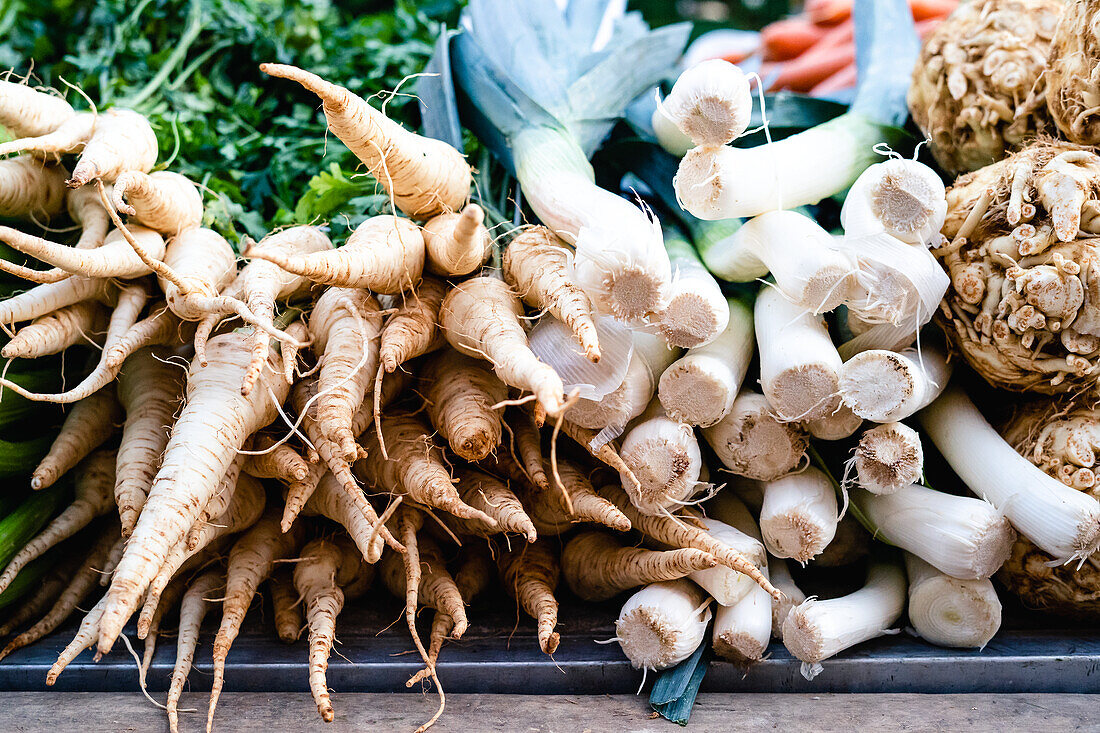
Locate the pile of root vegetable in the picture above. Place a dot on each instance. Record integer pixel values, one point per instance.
(570, 385)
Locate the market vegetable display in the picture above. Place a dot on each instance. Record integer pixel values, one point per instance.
(507, 361)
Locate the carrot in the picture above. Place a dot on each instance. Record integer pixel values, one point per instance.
(285, 605)
(817, 64)
(164, 201)
(280, 461)
(122, 141)
(435, 588)
(260, 284)
(93, 498)
(326, 567)
(674, 531)
(424, 177)
(330, 500)
(57, 331)
(193, 609)
(384, 254)
(345, 325)
(551, 515)
(415, 468)
(114, 258)
(597, 567)
(250, 563)
(30, 190)
(67, 138)
(786, 38)
(213, 425)
(828, 12)
(85, 638)
(91, 421)
(536, 265)
(845, 78)
(457, 244)
(460, 393)
(243, 509)
(26, 112)
(480, 318)
(530, 575)
(80, 584)
(150, 389)
(492, 496)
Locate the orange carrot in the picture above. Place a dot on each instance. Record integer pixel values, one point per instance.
(784, 39)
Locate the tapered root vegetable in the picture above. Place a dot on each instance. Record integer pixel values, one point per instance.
(276, 460)
(480, 318)
(250, 563)
(460, 393)
(551, 515)
(114, 258)
(30, 190)
(164, 201)
(949, 612)
(436, 587)
(742, 631)
(285, 606)
(169, 600)
(332, 501)
(664, 456)
(889, 457)
(457, 244)
(816, 630)
(606, 453)
(325, 569)
(243, 508)
(723, 584)
(799, 516)
(86, 208)
(48, 298)
(69, 137)
(415, 468)
(1070, 75)
(91, 421)
(751, 442)
(384, 254)
(193, 609)
(530, 575)
(699, 388)
(49, 334)
(122, 141)
(528, 447)
(213, 425)
(887, 386)
(424, 177)
(710, 103)
(799, 365)
(78, 586)
(27, 112)
(662, 624)
(536, 265)
(85, 638)
(675, 532)
(597, 567)
(492, 496)
(345, 325)
(93, 498)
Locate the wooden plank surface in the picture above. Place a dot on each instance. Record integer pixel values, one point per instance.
(37, 712)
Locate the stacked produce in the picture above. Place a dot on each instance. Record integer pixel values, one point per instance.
(604, 401)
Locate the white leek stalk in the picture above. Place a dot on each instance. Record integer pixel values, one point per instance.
(798, 362)
(808, 265)
(662, 624)
(836, 426)
(710, 103)
(664, 457)
(779, 573)
(726, 585)
(699, 388)
(816, 630)
(695, 311)
(742, 631)
(799, 515)
(946, 611)
(904, 198)
(889, 457)
(962, 536)
(886, 386)
(669, 135)
(1062, 522)
(611, 414)
(750, 441)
